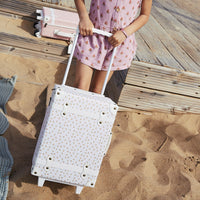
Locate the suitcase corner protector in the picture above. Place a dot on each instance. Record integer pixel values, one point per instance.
(35, 171)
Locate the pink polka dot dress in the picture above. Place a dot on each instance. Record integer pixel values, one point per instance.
(95, 51)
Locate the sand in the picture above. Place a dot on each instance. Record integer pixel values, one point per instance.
(152, 156)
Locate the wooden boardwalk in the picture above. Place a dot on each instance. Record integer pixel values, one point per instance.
(172, 38)
(165, 75)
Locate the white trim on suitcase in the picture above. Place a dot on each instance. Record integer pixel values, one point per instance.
(47, 164)
(52, 16)
(67, 109)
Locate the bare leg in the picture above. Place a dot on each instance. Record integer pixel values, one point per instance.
(83, 76)
(98, 81)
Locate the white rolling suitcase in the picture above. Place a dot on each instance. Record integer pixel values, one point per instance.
(75, 134)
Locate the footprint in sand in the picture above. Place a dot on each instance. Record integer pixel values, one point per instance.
(127, 185)
(162, 164)
(153, 135)
(179, 186)
(183, 138)
(125, 155)
(169, 172)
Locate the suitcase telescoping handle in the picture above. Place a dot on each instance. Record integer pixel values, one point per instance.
(72, 53)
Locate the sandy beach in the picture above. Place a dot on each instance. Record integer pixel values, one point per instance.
(152, 156)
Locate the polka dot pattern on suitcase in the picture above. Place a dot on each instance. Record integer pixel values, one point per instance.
(74, 136)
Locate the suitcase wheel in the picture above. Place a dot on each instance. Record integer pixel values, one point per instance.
(37, 34)
(35, 24)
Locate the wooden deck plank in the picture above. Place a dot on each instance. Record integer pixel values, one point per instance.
(8, 49)
(163, 17)
(151, 100)
(143, 52)
(176, 52)
(26, 7)
(164, 79)
(11, 15)
(188, 19)
(184, 38)
(156, 45)
(36, 44)
(19, 7)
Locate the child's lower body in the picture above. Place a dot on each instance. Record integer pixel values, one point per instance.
(93, 55)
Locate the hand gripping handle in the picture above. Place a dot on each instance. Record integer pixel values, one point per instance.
(72, 53)
(98, 31)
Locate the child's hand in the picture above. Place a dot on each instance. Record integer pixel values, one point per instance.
(85, 27)
(117, 38)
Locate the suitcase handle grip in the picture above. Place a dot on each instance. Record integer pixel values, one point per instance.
(63, 34)
(71, 35)
(72, 53)
(98, 31)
